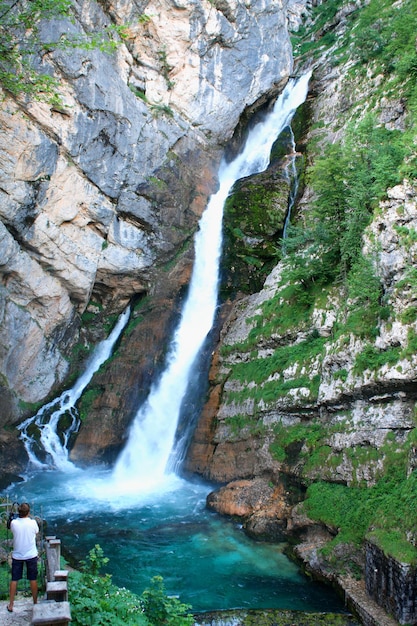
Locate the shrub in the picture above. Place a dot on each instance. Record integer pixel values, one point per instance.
(95, 600)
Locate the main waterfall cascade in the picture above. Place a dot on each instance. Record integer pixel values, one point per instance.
(148, 520)
(146, 455)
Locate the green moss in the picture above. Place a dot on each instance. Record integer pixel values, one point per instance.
(393, 543)
(254, 219)
(341, 374)
(308, 434)
(159, 184)
(321, 458)
(267, 383)
(411, 348)
(30, 408)
(248, 423)
(409, 315)
(389, 507)
(409, 282)
(372, 358)
(87, 400)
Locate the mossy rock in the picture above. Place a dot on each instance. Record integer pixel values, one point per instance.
(254, 221)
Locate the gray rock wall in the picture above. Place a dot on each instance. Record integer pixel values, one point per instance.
(391, 584)
(100, 192)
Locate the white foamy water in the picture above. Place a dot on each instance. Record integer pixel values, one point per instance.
(143, 464)
(47, 418)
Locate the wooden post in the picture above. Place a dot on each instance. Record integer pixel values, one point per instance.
(53, 557)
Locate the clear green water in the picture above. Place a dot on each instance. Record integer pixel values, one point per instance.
(203, 558)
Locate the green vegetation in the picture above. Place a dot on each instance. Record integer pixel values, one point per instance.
(326, 270)
(309, 434)
(307, 443)
(4, 536)
(253, 223)
(95, 600)
(258, 370)
(166, 69)
(87, 400)
(386, 512)
(323, 253)
(21, 41)
(266, 374)
(349, 179)
(371, 358)
(379, 35)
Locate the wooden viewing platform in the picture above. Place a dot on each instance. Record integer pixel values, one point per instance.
(54, 609)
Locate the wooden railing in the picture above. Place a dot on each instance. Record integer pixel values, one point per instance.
(55, 610)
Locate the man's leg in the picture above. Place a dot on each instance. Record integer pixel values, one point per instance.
(32, 574)
(34, 590)
(17, 572)
(13, 589)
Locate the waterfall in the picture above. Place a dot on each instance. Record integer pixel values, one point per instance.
(143, 464)
(46, 421)
(292, 177)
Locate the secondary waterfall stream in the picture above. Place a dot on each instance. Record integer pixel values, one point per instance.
(54, 448)
(147, 519)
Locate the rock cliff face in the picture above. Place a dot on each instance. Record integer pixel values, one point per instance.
(314, 379)
(392, 583)
(311, 383)
(357, 410)
(101, 192)
(379, 398)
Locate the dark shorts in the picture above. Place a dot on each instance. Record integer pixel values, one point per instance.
(31, 569)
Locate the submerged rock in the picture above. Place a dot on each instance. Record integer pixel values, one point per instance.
(273, 618)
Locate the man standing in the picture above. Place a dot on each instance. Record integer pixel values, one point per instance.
(24, 530)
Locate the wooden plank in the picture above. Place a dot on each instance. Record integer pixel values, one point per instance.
(57, 590)
(51, 614)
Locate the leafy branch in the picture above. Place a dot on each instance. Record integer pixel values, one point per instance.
(21, 44)
(95, 600)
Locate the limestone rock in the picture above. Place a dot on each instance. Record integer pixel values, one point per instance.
(240, 498)
(391, 583)
(263, 508)
(33, 306)
(359, 408)
(196, 56)
(102, 191)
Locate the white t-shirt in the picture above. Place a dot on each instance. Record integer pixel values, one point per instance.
(24, 531)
